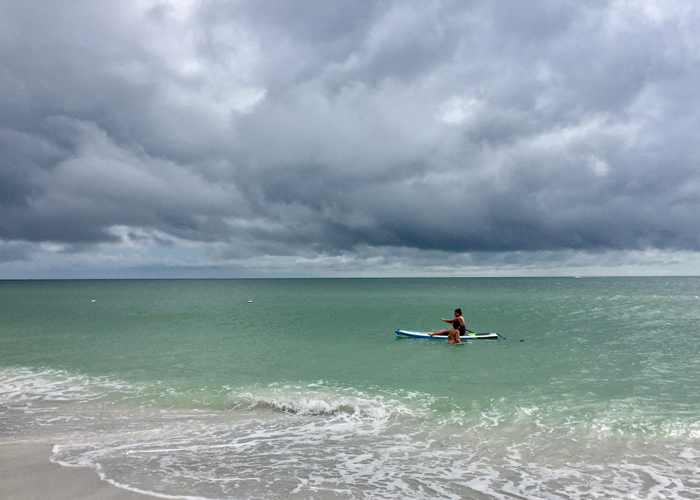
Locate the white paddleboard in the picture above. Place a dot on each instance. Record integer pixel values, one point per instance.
(466, 336)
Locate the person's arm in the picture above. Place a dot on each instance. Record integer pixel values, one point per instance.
(461, 320)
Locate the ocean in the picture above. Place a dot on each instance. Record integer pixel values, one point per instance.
(300, 389)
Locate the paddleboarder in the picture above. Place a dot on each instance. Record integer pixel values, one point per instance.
(458, 328)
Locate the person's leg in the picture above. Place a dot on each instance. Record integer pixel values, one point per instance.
(446, 331)
(453, 337)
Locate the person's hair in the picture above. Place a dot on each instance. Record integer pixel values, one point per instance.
(459, 310)
(455, 325)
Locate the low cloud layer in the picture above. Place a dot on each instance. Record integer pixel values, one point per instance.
(336, 138)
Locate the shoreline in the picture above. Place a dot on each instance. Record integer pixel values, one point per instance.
(27, 473)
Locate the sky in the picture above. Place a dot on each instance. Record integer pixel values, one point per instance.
(357, 138)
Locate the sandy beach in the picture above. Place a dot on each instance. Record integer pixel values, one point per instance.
(26, 473)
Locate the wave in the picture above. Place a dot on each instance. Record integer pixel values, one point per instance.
(35, 390)
(47, 397)
(324, 440)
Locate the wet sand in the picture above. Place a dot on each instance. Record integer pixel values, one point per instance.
(26, 473)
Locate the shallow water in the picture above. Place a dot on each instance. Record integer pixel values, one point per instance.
(184, 389)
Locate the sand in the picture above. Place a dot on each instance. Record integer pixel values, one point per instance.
(26, 473)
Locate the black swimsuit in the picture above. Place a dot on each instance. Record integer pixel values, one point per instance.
(457, 326)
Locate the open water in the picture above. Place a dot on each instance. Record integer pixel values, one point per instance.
(184, 389)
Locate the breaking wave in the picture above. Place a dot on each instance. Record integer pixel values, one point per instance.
(320, 440)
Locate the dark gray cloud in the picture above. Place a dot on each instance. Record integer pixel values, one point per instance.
(244, 131)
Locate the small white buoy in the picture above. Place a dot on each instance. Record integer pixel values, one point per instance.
(93, 300)
(250, 302)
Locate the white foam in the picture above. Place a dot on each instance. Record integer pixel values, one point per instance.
(689, 454)
(26, 385)
(335, 442)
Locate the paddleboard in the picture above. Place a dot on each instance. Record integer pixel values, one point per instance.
(466, 336)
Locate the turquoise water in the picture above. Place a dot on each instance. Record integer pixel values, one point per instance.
(185, 389)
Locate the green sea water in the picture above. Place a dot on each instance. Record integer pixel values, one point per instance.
(299, 388)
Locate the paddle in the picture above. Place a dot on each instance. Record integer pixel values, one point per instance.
(496, 334)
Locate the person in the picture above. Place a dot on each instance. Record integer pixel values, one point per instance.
(458, 329)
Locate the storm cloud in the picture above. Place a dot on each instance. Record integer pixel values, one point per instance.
(392, 136)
